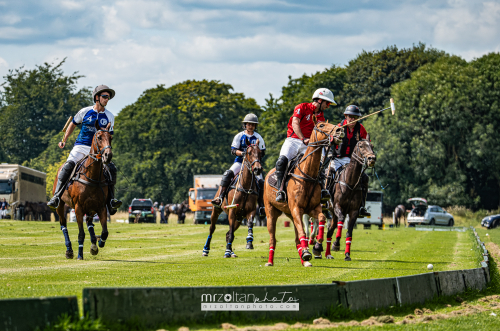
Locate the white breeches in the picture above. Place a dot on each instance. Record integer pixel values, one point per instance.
(292, 147)
(337, 163)
(78, 152)
(236, 168)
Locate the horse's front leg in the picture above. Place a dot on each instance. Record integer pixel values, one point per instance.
(81, 231)
(103, 219)
(249, 238)
(298, 244)
(304, 253)
(317, 213)
(329, 235)
(93, 239)
(230, 234)
(64, 229)
(340, 224)
(353, 216)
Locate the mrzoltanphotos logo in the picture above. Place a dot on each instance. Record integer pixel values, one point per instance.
(282, 301)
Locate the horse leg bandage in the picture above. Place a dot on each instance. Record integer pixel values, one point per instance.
(271, 255)
(66, 238)
(206, 248)
(250, 235)
(348, 245)
(102, 241)
(93, 238)
(303, 242)
(340, 225)
(321, 231)
(299, 249)
(328, 246)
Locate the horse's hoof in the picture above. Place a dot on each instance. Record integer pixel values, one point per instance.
(307, 264)
(249, 246)
(234, 255)
(336, 248)
(268, 264)
(306, 256)
(227, 256)
(329, 257)
(317, 249)
(93, 249)
(347, 257)
(101, 243)
(204, 254)
(69, 254)
(318, 257)
(80, 258)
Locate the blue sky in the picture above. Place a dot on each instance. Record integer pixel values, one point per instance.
(252, 45)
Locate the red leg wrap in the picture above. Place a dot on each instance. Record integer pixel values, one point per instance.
(271, 255)
(303, 242)
(340, 225)
(328, 246)
(299, 249)
(321, 231)
(348, 245)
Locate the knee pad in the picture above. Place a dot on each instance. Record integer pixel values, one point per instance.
(226, 178)
(68, 166)
(281, 163)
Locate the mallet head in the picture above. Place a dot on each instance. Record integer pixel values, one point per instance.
(393, 108)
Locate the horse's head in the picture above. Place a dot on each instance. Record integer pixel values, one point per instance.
(325, 130)
(253, 157)
(101, 144)
(364, 149)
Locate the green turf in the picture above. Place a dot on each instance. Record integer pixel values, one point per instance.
(32, 261)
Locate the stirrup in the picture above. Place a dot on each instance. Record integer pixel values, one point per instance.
(325, 196)
(262, 212)
(280, 196)
(363, 213)
(115, 204)
(54, 203)
(217, 205)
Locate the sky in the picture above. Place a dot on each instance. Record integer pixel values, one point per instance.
(253, 45)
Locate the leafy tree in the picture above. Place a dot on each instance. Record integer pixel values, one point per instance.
(170, 134)
(34, 106)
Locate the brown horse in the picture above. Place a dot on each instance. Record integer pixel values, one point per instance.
(399, 212)
(347, 195)
(303, 191)
(88, 193)
(179, 209)
(246, 199)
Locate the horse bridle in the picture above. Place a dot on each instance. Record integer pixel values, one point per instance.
(98, 155)
(361, 160)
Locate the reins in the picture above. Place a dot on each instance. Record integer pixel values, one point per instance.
(359, 159)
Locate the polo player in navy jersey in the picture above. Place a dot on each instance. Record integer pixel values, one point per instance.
(87, 117)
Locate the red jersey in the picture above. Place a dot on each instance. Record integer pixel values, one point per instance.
(349, 134)
(304, 112)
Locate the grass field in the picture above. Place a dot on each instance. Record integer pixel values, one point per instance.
(32, 261)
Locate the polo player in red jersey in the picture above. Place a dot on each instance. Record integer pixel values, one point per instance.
(300, 127)
(342, 153)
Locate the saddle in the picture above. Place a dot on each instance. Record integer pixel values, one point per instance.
(292, 164)
(78, 176)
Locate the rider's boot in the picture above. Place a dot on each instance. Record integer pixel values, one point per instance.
(224, 184)
(281, 165)
(63, 177)
(113, 204)
(362, 210)
(262, 211)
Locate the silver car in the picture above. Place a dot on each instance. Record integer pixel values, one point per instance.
(428, 214)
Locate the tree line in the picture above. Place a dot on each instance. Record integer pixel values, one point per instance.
(441, 144)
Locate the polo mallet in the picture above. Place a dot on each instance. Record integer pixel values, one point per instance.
(67, 124)
(392, 107)
(233, 205)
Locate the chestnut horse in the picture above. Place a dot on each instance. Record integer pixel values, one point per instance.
(399, 212)
(303, 191)
(88, 193)
(246, 198)
(347, 195)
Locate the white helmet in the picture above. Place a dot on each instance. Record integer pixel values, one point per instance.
(325, 94)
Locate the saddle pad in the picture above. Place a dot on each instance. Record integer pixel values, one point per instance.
(273, 180)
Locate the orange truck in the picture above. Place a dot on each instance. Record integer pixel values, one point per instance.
(200, 197)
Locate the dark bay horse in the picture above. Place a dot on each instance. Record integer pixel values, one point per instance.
(399, 212)
(246, 198)
(303, 191)
(179, 209)
(88, 193)
(347, 195)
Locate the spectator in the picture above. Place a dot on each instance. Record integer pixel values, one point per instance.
(3, 208)
(162, 213)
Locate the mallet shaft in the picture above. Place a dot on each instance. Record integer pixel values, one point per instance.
(67, 124)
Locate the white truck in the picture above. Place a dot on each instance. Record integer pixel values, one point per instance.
(19, 185)
(374, 203)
